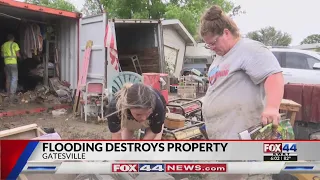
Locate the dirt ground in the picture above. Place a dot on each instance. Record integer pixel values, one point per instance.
(66, 125)
(70, 127)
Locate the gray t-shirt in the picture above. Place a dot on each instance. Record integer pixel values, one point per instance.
(235, 98)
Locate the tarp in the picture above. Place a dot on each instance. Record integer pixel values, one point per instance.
(308, 95)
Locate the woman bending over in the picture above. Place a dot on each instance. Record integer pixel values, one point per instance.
(136, 106)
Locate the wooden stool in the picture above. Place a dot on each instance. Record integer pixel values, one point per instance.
(290, 107)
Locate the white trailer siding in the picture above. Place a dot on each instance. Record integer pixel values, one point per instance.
(176, 38)
(174, 48)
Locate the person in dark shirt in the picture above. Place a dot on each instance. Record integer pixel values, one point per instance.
(136, 106)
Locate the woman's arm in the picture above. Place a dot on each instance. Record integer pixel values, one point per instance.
(264, 68)
(154, 132)
(153, 136)
(114, 123)
(274, 87)
(116, 136)
(156, 122)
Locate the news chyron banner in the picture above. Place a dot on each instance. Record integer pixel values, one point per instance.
(20, 155)
(172, 167)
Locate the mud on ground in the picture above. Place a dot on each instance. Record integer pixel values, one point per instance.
(67, 126)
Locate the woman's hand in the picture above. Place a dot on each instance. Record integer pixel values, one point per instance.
(149, 135)
(270, 115)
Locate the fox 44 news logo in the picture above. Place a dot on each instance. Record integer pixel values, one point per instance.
(131, 168)
(280, 151)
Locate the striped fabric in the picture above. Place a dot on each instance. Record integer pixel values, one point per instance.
(110, 43)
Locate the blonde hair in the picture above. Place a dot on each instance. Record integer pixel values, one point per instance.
(134, 96)
(214, 21)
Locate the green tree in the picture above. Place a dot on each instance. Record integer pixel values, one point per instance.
(187, 11)
(92, 7)
(129, 9)
(190, 12)
(312, 39)
(270, 37)
(56, 4)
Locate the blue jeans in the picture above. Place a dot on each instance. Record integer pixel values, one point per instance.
(11, 71)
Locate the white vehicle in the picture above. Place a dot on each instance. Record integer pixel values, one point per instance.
(299, 66)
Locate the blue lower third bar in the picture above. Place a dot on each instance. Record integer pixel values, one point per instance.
(42, 168)
(299, 168)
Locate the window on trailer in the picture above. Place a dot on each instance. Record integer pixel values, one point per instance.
(31, 69)
(139, 39)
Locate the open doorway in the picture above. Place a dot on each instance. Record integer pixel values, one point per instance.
(138, 47)
(33, 53)
(39, 37)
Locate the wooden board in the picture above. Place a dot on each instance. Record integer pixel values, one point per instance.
(83, 76)
(24, 132)
(31, 131)
(289, 105)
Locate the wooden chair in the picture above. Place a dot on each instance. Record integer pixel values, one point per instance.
(290, 108)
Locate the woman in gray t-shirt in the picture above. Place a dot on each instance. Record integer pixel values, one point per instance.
(245, 80)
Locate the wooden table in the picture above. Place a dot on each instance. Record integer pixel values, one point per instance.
(290, 107)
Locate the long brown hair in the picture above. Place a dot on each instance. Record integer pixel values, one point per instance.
(134, 96)
(214, 21)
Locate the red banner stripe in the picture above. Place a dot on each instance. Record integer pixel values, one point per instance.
(106, 36)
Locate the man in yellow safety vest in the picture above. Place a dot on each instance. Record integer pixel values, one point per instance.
(10, 53)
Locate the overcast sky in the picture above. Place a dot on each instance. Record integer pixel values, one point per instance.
(299, 18)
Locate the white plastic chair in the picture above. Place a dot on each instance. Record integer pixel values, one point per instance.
(121, 79)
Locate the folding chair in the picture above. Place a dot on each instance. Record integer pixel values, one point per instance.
(93, 99)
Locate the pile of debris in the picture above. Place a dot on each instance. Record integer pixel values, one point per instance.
(58, 92)
(39, 70)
